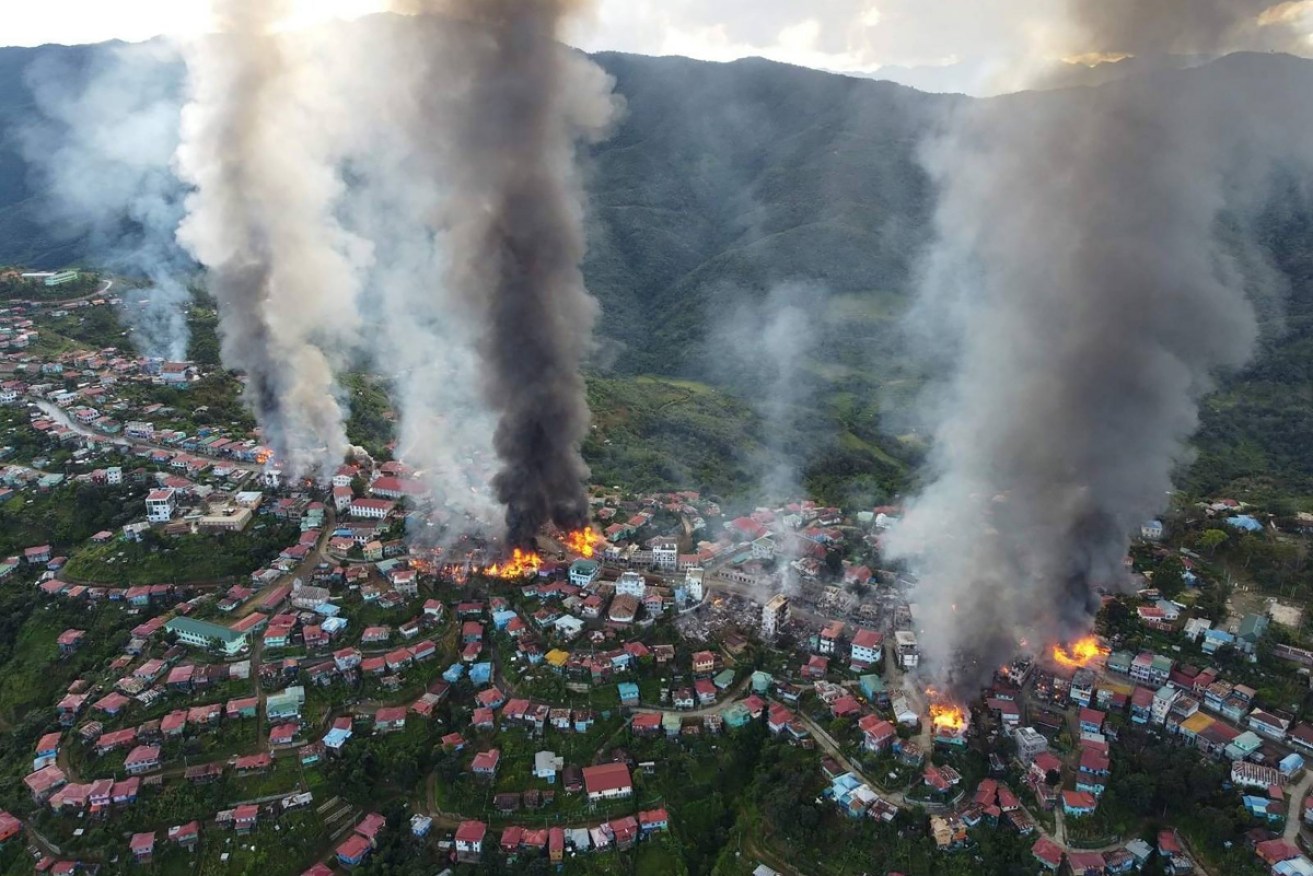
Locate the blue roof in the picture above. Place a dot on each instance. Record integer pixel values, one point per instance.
(480, 673)
(628, 690)
(1245, 522)
(335, 737)
(453, 673)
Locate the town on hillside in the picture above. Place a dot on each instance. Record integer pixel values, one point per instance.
(218, 669)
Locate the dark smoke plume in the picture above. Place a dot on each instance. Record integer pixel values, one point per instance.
(515, 240)
(1092, 299)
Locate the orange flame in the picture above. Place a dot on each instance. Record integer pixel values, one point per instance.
(1081, 652)
(520, 564)
(582, 541)
(948, 718)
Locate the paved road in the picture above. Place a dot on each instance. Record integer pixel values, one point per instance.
(61, 416)
(1295, 808)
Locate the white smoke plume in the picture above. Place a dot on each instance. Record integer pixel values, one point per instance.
(763, 345)
(262, 221)
(1079, 281)
(99, 147)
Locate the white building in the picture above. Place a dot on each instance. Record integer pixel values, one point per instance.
(1195, 627)
(584, 572)
(774, 615)
(631, 584)
(160, 505)
(114, 475)
(1152, 530)
(763, 548)
(1163, 701)
(665, 554)
(272, 478)
(1030, 743)
(909, 655)
(372, 508)
(546, 764)
(693, 584)
(867, 647)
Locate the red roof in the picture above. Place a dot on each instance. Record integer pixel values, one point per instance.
(1079, 800)
(471, 832)
(354, 847)
(606, 777)
(1085, 862)
(143, 842)
(1047, 851)
(486, 760)
(865, 638)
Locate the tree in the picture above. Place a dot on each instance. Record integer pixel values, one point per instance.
(1211, 539)
(1169, 577)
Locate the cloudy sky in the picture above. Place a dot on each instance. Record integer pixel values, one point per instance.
(978, 46)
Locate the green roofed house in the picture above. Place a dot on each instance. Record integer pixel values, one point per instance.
(736, 715)
(584, 572)
(761, 682)
(873, 688)
(285, 704)
(1251, 630)
(724, 679)
(1120, 661)
(203, 634)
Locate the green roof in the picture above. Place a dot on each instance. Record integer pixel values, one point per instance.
(872, 682)
(204, 630)
(587, 566)
(724, 678)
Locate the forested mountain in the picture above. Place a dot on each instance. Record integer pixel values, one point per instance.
(736, 200)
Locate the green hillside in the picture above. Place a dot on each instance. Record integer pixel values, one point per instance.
(726, 182)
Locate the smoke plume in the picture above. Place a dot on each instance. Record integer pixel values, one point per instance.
(99, 146)
(513, 234)
(762, 346)
(1090, 301)
(261, 220)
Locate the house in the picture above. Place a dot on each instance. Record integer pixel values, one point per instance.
(469, 841)
(485, 763)
(246, 817)
(546, 764)
(70, 640)
(652, 820)
(143, 846)
(160, 505)
(607, 781)
(283, 734)
(1048, 853)
(185, 835)
(142, 759)
(1078, 803)
(877, 733)
(704, 663)
(867, 648)
(1269, 725)
(353, 851)
(389, 719)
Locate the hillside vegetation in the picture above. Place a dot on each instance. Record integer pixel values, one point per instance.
(727, 183)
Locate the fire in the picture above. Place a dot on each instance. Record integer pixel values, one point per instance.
(948, 718)
(1081, 652)
(520, 564)
(582, 541)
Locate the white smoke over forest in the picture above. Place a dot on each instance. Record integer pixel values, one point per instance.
(100, 141)
(1081, 282)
